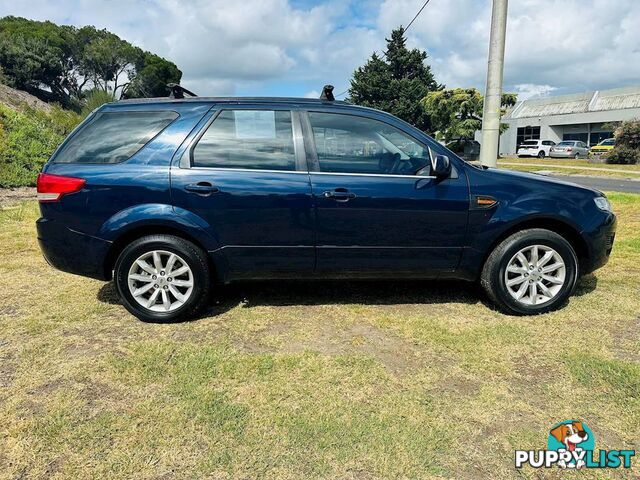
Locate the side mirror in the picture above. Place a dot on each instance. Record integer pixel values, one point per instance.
(441, 166)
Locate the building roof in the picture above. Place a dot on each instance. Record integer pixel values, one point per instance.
(601, 100)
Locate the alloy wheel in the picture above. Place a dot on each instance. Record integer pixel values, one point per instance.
(535, 275)
(160, 281)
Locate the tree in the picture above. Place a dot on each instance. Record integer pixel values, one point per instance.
(627, 148)
(396, 83)
(64, 63)
(457, 112)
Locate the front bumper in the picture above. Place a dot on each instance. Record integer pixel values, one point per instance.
(600, 244)
(71, 251)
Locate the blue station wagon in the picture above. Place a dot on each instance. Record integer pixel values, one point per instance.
(170, 197)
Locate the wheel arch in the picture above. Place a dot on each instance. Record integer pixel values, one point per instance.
(561, 227)
(120, 243)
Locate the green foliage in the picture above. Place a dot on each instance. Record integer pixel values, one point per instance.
(94, 99)
(627, 148)
(623, 155)
(457, 112)
(62, 63)
(397, 84)
(27, 140)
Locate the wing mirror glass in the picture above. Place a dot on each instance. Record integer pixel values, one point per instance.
(441, 166)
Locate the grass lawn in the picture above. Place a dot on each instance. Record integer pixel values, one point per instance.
(559, 165)
(309, 380)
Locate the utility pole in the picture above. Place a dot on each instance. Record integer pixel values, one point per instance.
(493, 94)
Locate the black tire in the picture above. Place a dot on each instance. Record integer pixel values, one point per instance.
(541, 154)
(492, 278)
(577, 156)
(195, 258)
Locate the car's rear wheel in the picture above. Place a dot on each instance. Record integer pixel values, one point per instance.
(541, 154)
(576, 156)
(532, 271)
(162, 278)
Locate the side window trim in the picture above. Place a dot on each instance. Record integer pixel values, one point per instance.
(313, 162)
(187, 160)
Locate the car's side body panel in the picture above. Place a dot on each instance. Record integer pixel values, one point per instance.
(270, 224)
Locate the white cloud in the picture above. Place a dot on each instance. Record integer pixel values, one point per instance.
(251, 46)
(531, 90)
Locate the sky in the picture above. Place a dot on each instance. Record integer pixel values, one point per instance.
(294, 47)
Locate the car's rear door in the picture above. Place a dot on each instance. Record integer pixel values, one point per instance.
(374, 213)
(245, 176)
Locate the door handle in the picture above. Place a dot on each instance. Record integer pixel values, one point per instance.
(339, 194)
(202, 188)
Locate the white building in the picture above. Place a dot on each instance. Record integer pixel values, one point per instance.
(580, 116)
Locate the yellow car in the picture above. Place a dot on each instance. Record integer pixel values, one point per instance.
(603, 147)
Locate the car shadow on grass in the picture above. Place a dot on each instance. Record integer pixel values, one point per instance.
(342, 292)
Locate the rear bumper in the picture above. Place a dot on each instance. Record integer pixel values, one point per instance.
(71, 251)
(562, 154)
(600, 244)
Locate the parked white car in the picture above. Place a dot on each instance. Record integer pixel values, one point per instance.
(535, 148)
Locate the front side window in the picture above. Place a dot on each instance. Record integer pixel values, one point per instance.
(351, 144)
(247, 139)
(112, 137)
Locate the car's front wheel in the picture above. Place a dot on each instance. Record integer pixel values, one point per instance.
(162, 278)
(532, 271)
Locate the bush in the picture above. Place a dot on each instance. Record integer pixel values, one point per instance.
(96, 98)
(627, 149)
(27, 139)
(623, 155)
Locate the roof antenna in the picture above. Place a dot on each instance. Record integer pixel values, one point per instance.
(178, 92)
(327, 93)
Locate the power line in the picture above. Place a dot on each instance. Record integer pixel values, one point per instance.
(417, 14)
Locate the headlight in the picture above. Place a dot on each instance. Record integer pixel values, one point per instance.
(603, 203)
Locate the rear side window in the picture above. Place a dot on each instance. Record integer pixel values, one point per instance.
(113, 137)
(247, 139)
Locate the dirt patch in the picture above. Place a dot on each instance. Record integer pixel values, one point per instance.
(396, 354)
(11, 196)
(625, 342)
(458, 386)
(18, 99)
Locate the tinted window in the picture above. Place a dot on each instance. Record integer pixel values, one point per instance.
(252, 139)
(530, 142)
(566, 144)
(351, 144)
(608, 142)
(114, 137)
(527, 133)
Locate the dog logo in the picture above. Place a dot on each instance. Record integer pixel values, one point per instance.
(571, 436)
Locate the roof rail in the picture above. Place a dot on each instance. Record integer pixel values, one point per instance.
(327, 93)
(178, 92)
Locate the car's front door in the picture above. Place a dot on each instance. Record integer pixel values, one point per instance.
(246, 177)
(378, 209)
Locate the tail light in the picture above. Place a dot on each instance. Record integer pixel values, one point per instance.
(569, 149)
(51, 188)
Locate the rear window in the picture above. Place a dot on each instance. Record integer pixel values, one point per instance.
(113, 137)
(530, 142)
(566, 144)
